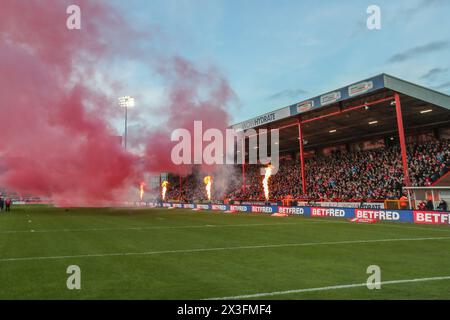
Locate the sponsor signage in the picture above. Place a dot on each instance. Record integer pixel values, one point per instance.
(291, 210)
(219, 207)
(305, 106)
(327, 212)
(344, 93)
(360, 88)
(367, 205)
(239, 208)
(302, 203)
(377, 214)
(360, 214)
(363, 220)
(330, 98)
(260, 209)
(255, 203)
(264, 119)
(189, 206)
(431, 217)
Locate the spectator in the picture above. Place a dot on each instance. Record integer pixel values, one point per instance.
(7, 205)
(422, 205)
(429, 205)
(442, 205)
(341, 176)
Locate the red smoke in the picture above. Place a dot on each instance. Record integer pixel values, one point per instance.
(194, 95)
(55, 137)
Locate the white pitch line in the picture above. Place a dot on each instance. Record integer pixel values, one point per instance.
(344, 286)
(315, 221)
(218, 249)
(166, 227)
(151, 228)
(404, 226)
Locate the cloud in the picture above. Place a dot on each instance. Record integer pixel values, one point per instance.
(432, 73)
(445, 85)
(419, 50)
(423, 5)
(360, 27)
(290, 93)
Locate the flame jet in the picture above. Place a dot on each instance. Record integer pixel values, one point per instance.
(164, 189)
(141, 190)
(266, 182)
(208, 182)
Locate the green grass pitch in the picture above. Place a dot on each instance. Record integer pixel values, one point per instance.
(184, 254)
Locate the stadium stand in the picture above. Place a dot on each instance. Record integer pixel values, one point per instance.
(18, 198)
(354, 176)
(340, 176)
(362, 142)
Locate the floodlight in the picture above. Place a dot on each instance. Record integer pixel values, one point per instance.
(126, 102)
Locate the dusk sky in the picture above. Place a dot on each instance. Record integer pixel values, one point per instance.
(275, 53)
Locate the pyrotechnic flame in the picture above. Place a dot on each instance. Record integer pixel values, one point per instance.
(164, 189)
(208, 181)
(141, 190)
(266, 182)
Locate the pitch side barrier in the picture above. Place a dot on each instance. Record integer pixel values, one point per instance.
(410, 216)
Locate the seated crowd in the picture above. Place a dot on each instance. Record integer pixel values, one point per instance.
(341, 176)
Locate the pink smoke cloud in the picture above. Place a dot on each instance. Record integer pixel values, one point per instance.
(194, 95)
(51, 143)
(55, 134)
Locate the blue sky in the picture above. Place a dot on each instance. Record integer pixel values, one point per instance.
(275, 53)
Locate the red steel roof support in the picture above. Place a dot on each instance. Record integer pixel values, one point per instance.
(401, 134)
(302, 158)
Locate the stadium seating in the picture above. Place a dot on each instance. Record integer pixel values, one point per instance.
(16, 197)
(342, 176)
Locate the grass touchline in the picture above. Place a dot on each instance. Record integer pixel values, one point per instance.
(220, 249)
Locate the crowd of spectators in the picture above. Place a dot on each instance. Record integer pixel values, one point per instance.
(16, 197)
(341, 176)
(366, 175)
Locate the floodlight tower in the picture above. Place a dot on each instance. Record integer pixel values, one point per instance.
(126, 102)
